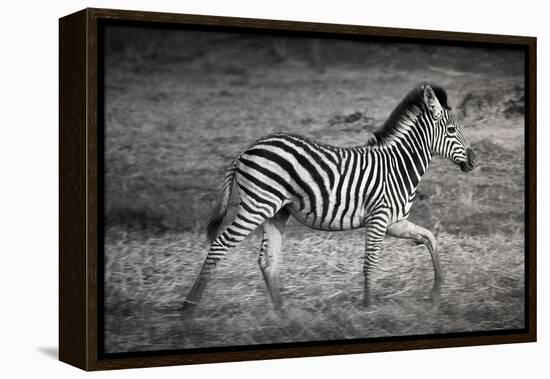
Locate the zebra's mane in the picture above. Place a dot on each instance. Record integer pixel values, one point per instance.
(413, 99)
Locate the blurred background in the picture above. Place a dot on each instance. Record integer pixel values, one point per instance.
(180, 104)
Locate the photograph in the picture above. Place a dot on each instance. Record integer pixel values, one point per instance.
(267, 188)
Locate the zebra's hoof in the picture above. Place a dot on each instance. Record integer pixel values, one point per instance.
(435, 297)
(280, 312)
(188, 305)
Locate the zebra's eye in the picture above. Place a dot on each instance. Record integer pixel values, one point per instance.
(451, 129)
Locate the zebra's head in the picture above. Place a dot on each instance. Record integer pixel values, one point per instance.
(448, 138)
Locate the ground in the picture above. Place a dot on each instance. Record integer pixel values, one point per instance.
(180, 106)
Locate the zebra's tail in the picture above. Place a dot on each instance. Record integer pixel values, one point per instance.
(220, 210)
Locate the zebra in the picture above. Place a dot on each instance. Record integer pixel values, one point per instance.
(331, 188)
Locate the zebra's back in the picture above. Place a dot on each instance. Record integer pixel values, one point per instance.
(323, 186)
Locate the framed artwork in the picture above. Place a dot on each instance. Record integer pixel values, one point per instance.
(238, 189)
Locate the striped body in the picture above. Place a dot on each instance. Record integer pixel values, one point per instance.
(331, 188)
(327, 187)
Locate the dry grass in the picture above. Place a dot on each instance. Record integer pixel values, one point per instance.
(176, 116)
(322, 288)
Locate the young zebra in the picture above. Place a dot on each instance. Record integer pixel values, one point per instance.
(332, 188)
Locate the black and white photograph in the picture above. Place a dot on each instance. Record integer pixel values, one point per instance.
(268, 188)
(276, 189)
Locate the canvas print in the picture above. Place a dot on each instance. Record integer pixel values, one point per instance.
(268, 188)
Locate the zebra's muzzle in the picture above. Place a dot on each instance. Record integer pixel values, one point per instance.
(469, 164)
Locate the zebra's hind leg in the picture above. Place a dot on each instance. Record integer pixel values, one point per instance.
(406, 229)
(270, 254)
(231, 237)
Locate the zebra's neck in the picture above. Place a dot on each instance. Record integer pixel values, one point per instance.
(408, 149)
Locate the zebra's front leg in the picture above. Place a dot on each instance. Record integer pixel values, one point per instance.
(375, 228)
(406, 229)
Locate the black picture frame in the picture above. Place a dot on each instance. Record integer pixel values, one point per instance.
(81, 189)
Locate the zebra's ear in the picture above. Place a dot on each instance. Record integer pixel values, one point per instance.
(432, 102)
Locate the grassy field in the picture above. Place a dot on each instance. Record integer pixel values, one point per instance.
(178, 107)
